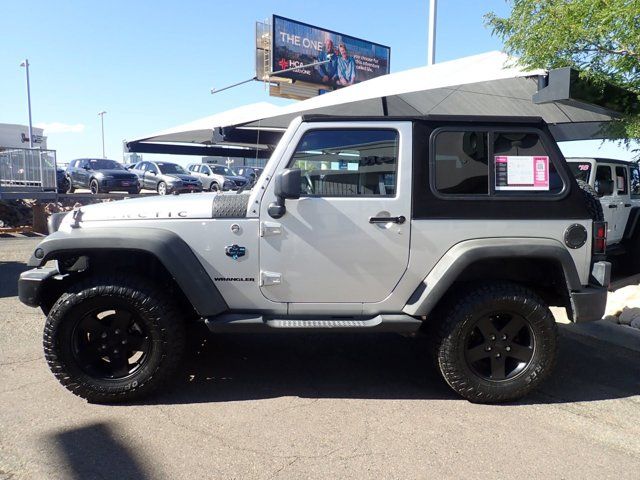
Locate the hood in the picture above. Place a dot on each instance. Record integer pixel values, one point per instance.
(115, 173)
(181, 176)
(236, 178)
(196, 205)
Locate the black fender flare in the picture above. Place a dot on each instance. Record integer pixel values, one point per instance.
(167, 246)
(433, 288)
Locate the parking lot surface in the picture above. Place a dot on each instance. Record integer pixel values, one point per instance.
(312, 406)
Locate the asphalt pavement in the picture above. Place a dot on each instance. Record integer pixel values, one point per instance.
(312, 406)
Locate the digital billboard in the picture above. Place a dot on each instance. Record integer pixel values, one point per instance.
(352, 60)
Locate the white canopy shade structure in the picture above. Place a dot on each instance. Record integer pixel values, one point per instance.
(486, 84)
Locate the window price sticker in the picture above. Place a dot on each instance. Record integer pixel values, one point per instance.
(522, 173)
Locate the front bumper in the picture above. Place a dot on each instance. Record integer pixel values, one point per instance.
(30, 285)
(118, 184)
(184, 188)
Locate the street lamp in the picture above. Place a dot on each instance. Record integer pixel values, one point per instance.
(101, 115)
(431, 48)
(25, 64)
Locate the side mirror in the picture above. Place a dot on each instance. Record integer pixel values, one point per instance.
(287, 185)
(86, 167)
(604, 187)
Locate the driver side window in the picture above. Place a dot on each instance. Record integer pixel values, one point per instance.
(348, 163)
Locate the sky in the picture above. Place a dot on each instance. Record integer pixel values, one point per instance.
(151, 64)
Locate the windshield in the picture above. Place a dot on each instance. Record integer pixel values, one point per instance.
(220, 170)
(580, 170)
(100, 164)
(169, 168)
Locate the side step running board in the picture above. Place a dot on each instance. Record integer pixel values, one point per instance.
(237, 322)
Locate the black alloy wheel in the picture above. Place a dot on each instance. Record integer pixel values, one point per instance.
(94, 186)
(111, 344)
(494, 342)
(500, 346)
(114, 338)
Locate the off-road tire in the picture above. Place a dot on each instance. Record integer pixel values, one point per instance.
(70, 187)
(159, 314)
(455, 319)
(591, 200)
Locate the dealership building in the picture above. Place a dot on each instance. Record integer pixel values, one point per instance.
(17, 136)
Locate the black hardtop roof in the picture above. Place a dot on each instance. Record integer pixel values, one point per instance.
(601, 160)
(427, 118)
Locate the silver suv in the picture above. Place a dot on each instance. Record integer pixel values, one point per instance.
(217, 177)
(464, 229)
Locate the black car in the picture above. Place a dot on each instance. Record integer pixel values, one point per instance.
(165, 177)
(62, 184)
(250, 173)
(100, 176)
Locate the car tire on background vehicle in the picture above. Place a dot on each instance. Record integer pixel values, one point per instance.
(494, 343)
(94, 186)
(162, 188)
(134, 191)
(114, 339)
(214, 187)
(70, 187)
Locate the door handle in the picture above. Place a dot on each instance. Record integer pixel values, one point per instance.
(613, 206)
(401, 219)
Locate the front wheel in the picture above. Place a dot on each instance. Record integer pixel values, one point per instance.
(70, 187)
(162, 188)
(94, 186)
(495, 343)
(113, 339)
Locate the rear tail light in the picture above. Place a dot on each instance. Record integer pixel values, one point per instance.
(599, 237)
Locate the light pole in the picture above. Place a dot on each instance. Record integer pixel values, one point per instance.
(25, 64)
(431, 49)
(101, 115)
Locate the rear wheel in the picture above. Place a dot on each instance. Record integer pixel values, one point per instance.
(214, 187)
(111, 340)
(495, 343)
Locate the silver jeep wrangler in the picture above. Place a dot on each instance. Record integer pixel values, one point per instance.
(462, 228)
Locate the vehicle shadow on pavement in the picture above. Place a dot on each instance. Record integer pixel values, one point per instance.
(377, 366)
(9, 273)
(95, 451)
(248, 367)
